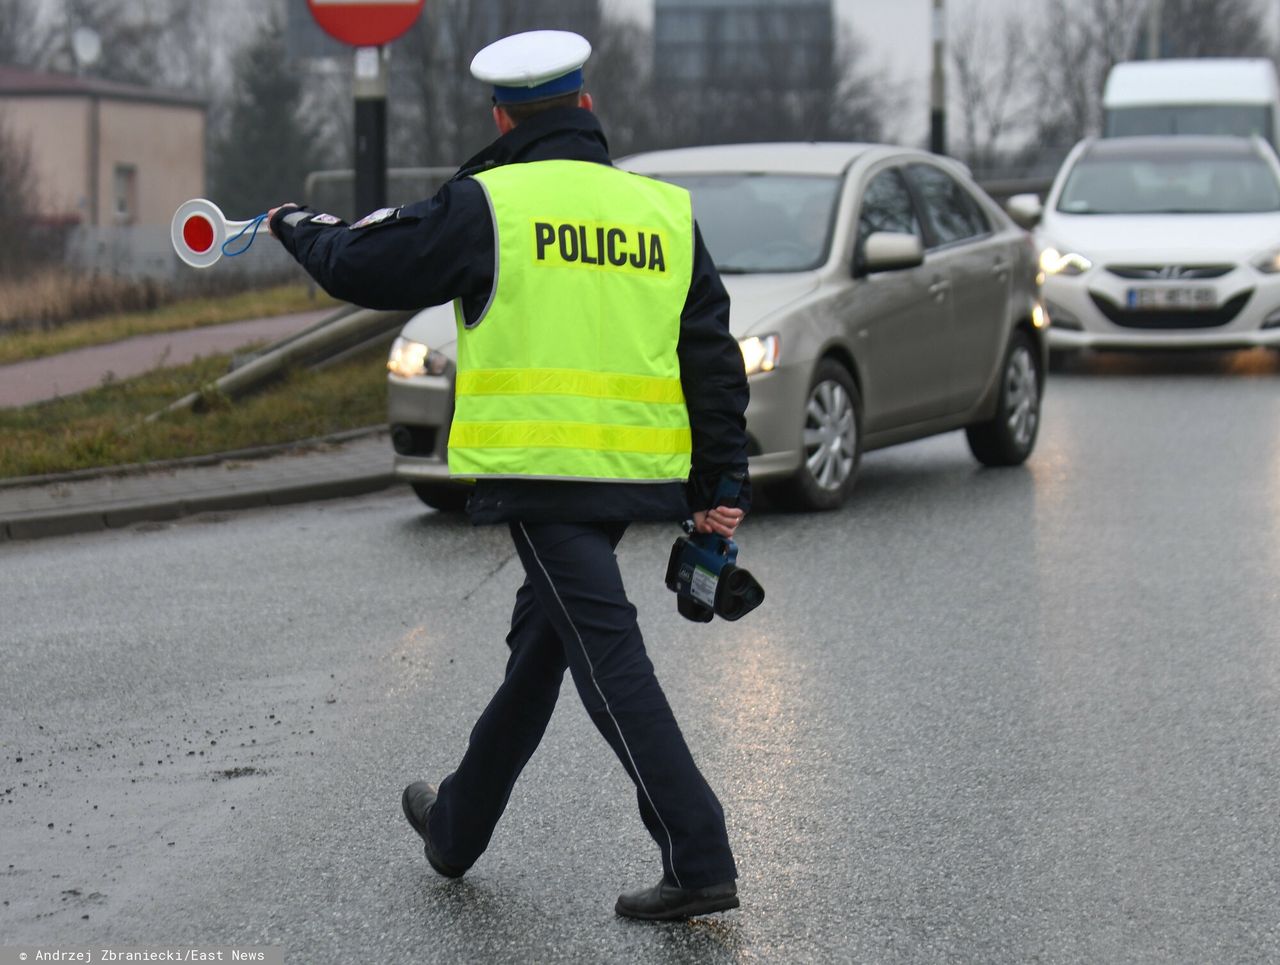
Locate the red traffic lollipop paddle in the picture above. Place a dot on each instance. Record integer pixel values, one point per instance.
(199, 230)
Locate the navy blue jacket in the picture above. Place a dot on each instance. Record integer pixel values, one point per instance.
(436, 250)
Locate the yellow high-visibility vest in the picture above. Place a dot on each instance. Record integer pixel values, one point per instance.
(571, 371)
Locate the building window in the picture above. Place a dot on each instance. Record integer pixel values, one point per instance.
(126, 194)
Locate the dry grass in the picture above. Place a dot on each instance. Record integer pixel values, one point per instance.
(105, 427)
(129, 314)
(51, 296)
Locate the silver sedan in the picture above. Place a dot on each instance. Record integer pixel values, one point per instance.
(878, 296)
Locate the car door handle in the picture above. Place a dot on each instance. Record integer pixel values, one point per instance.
(1000, 268)
(939, 289)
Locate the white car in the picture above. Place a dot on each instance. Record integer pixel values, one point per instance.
(1161, 242)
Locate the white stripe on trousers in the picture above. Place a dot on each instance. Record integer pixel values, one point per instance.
(671, 850)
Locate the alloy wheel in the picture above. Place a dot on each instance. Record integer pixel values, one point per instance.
(830, 435)
(1021, 396)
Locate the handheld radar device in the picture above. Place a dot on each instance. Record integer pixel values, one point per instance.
(703, 570)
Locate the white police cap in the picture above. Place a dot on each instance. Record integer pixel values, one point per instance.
(532, 66)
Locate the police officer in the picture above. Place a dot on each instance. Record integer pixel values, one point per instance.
(597, 384)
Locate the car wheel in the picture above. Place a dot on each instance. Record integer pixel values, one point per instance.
(832, 441)
(1008, 439)
(446, 497)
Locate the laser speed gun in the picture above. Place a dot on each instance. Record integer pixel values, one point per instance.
(703, 570)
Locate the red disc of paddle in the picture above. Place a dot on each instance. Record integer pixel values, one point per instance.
(197, 232)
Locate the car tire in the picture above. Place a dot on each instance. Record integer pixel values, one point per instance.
(832, 442)
(1008, 438)
(446, 497)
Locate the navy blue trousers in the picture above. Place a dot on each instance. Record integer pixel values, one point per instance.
(572, 612)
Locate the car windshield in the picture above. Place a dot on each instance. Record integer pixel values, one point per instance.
(755, 223)
(1170, 183)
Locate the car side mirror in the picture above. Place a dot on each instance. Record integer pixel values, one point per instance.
(890, 251)
(1025, 210)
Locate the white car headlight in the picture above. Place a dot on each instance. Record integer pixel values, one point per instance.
(409, 359)
(1268, 262)
(1055, 262)
(760, 352)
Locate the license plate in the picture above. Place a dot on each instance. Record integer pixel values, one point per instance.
(1172, 298)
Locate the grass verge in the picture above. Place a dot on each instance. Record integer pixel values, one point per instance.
(34, 343)
(104, 426)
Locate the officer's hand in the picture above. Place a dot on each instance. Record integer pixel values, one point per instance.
(722, 520)
(272, 213)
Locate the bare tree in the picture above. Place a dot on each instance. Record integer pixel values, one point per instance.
(864, 97)
(1078, 44)
(269, 144)
(620, 79)
(990, 59)
(18, 201)
(22, 40)
(445, 118)
(1225, 28)
(154, 43)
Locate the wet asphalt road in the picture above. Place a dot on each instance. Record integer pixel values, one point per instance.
(984, 716)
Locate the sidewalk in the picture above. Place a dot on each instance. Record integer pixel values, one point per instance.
(23, 383)
(346, 465)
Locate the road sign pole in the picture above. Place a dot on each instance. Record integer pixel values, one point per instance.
(938, 83)
(371, 129)
(368, 25)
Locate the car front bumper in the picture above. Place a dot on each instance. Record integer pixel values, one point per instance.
(420, 410)
(1090, 311)
(775, 420)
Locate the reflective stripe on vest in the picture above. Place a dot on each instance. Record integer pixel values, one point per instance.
(572, 372)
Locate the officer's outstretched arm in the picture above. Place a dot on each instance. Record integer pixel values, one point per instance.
(408, 257)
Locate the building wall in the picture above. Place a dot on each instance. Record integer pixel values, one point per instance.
(164, 145)
(57, 130)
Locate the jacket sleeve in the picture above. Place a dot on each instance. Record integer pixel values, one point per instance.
(398, 258)
(714, 382)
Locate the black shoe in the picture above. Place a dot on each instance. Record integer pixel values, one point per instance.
(666, 902)
(417, 801)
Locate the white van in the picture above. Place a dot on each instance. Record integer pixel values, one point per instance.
(1205, 96)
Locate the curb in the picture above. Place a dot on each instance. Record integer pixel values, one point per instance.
(116, 509)
(66, 522)
(187, 462)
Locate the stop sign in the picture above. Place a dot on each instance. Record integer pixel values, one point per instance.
(365, 23)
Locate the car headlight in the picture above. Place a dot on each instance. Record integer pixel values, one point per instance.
(1268, 262)
(760, 352)
(1055, 262)
(409, 359)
